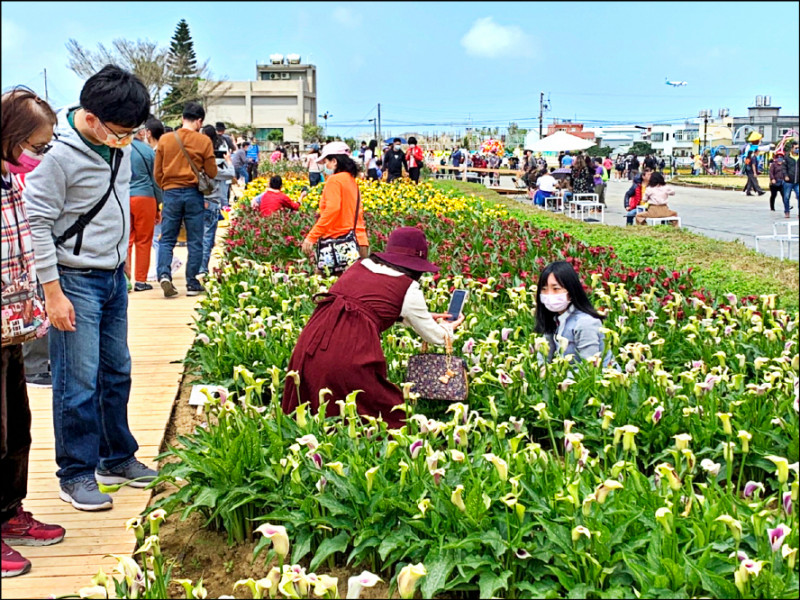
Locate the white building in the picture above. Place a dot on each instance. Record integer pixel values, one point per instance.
(284, 90)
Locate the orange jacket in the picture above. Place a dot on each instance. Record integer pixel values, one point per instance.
(336, 209)
(172, 170)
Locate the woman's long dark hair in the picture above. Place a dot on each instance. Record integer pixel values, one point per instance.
(345, 163)
(373, 144)
(656, 179)
(568, 279)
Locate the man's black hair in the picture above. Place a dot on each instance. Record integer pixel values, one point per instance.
(220, 126)
(244, 144)
(568, 279)
(116, 96)
(395, 140)
(192, 111)
(155, 127)
(275, 182)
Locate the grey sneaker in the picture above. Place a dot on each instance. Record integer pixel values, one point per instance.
(169, 288)
(84, 495)
(134, 474)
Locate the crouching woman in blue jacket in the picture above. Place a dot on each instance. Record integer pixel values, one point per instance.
(563, 310)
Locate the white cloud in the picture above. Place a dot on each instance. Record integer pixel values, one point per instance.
(13, 35)
(490, 40)
(346, 17)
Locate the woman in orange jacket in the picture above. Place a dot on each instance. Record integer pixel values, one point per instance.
(338, 203)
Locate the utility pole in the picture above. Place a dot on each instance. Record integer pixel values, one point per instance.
(541, 112)
(375, 127)
(46, 97)
(380, 131)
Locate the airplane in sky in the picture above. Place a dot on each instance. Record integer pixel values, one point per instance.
(675, 83)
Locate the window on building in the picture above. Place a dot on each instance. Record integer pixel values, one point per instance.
(230, 101)
(667, 136)
(274, 100)
(657, 137)
(262, 133)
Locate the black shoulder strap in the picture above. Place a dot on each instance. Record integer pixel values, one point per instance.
(78, 226)
(358, 204)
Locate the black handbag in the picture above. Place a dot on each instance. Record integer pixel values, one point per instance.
(334, 255)
(437, 376)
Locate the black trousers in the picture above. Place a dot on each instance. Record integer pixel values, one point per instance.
(15, 432)
(773, 191)
(413, 173)
(372, 174)
(752, 185)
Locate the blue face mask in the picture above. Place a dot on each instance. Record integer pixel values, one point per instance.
(328, 171)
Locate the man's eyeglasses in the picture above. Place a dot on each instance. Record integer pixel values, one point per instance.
(121, 136)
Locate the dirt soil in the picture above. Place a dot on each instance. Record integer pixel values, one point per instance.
(201, 553)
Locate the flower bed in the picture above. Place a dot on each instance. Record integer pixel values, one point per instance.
(674, 475)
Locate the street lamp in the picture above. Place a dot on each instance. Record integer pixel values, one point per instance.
(375, 126)
(326, 116)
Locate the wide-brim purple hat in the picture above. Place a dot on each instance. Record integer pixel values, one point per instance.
(407, 247)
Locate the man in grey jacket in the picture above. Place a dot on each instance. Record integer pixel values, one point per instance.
(78, 204)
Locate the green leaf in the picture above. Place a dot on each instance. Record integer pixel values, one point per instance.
(334, 506)
(207, 497)
(438, 571)
(390, 542)
(489, 583)
(328, 547)
(302, 546)
(540, 589)
(495, 541)
(580, 591)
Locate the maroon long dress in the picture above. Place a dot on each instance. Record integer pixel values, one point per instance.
(340, 347)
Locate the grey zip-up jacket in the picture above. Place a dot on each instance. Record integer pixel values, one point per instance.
(70, 180)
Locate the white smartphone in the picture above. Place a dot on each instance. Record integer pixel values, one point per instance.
(457, 301)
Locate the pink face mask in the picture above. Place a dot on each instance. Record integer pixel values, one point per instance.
(28, 161)
(556, 302)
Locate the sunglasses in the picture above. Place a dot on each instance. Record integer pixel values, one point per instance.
(41, 149)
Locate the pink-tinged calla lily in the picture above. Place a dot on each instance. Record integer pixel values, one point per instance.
(437, 475)
(355, 584)
(504, 378)
(566, 384)
(710, 467)
(522, 554)
(777, 535)
(658, 413)
(321, 483)
(787, 503)
(415, 448)
(516, 423)
(408, 577)
(740, 555)
(278, 537)
(751, 487)
(469, 345)
(310, 441)
(505, 332)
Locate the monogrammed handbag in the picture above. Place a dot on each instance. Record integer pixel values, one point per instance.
(438, 376)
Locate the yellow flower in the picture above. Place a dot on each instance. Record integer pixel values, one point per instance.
(734, 525)
(726, 422)
(579, 531)
(745, 438)
(682, 440)
(456, 499)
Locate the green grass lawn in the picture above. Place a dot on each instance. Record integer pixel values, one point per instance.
(720, 266)
(720, 181)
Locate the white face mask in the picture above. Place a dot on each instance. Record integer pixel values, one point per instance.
(397, 146)
(556, 302)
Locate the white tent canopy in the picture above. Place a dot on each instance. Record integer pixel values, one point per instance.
(560, 140)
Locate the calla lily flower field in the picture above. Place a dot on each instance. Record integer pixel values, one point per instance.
(671, 473)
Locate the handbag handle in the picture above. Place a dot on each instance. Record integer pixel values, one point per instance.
(448, 346)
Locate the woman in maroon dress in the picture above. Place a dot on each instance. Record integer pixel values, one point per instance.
(340, 347)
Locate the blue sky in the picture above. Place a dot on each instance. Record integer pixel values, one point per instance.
(435, 64)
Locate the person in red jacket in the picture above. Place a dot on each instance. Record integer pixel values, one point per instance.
(274, 199)
(415, 158)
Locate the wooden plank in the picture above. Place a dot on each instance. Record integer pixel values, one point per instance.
(159, 334)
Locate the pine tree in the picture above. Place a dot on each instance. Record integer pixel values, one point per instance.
(182, 62)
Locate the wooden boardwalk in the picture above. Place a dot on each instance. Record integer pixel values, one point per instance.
(159, 336)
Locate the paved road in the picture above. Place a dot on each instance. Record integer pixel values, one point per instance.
(723, 215)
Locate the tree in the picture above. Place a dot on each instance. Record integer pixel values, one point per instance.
(352, 143)
(597, 151)
(313, 133)
(275, 135)
(182, 64)
(145, 59)
(641, 148)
